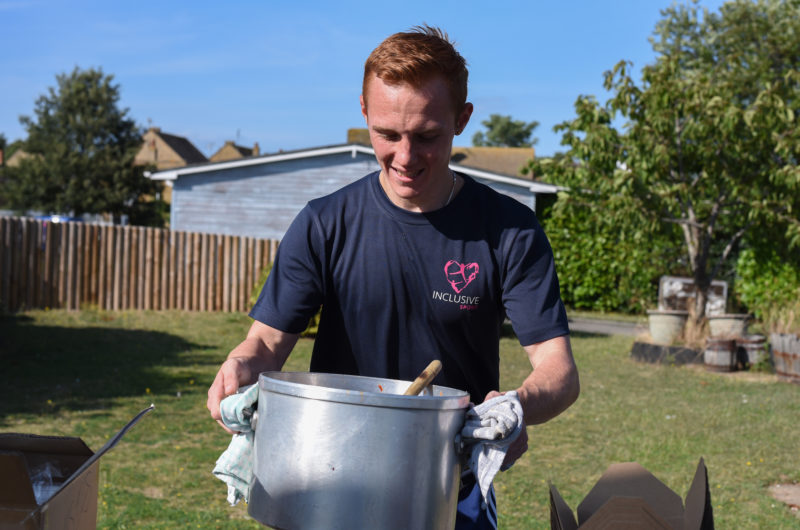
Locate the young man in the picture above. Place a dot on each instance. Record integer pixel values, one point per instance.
(415, 262)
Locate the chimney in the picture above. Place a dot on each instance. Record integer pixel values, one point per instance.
(256, 150)
(358, 136)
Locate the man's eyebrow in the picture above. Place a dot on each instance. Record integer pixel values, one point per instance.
(384, 130)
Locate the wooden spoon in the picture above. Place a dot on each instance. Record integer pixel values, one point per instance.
(424, 379)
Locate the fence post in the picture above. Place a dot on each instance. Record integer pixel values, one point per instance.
(93, 272)
(196, 274)
(6, 260)
(80, 258)
(203, 272)
(28, 263)
(163, 240)
(173, 258)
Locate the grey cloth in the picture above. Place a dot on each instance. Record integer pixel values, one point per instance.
(488, 431)
(235, 465)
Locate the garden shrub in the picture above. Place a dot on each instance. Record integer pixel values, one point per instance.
(605, 264)
(768, 283)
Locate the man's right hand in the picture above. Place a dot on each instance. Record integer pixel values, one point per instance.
(265, 349)
(233, 373)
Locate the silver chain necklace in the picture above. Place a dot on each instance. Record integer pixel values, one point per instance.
(452, 189)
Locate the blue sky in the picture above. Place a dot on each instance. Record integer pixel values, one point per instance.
(288, 74)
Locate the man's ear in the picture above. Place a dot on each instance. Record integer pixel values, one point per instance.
(463, 117)
(363, 106)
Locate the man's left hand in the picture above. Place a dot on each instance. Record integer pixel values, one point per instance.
(518, 446)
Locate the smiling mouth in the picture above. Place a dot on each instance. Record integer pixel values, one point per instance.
(407, 174)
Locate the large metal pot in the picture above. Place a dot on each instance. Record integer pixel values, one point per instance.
(338, 451)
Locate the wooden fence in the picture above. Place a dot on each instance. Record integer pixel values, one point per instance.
(74, 265)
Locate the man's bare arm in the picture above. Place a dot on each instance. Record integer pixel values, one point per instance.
(265, 349)
(553, 385)
(550, 388)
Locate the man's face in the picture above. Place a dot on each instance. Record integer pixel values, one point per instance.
(412, 131)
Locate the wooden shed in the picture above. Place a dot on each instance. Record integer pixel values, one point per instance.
(259, 196)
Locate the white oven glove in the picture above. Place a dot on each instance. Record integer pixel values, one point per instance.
(488, 431)
(235, 465)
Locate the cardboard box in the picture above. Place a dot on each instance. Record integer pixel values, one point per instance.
(68, 499)
(629, 496)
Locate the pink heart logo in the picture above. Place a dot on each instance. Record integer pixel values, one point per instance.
(460, 275)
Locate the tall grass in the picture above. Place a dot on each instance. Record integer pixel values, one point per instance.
(86, 373)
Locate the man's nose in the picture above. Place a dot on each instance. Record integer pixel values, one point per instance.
(406, 153)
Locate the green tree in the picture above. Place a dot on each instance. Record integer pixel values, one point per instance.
(710, 142)
(82, 147)
(502, 131)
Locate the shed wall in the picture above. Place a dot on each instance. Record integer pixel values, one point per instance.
(262, 200)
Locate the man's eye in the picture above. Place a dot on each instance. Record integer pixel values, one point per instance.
(429, 138)
(390, 137)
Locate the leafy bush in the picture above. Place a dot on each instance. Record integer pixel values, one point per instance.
(768, 283)
(605, 263)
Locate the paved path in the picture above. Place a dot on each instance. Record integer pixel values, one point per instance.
(606, 327)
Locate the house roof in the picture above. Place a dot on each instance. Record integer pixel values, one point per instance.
(353, 149)
(504, 160)
(182, 147)
(17, 157)
(231, 151)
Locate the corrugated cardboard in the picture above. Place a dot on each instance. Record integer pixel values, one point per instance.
(73, 505)
(629, 496)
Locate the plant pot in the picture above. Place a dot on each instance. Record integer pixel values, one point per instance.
(754, 348)
(786, 355)
(666, 325)
(730, 325)
(720, 354)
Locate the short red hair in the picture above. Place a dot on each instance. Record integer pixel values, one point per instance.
(416, 56)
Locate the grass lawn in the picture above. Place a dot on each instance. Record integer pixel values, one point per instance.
(86, 373)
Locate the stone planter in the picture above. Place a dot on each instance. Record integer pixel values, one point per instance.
(666, 325)
(729, 325)
(786, 355)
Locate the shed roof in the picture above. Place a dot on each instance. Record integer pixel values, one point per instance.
(354, 149)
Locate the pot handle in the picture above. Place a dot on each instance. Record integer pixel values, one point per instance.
(460, 445)
(254, 420)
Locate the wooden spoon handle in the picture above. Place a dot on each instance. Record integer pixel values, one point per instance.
(424, 379)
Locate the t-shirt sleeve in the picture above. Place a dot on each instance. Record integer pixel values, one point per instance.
(531, 293)
(294, 289)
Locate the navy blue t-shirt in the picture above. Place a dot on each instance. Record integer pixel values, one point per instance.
(399, 289)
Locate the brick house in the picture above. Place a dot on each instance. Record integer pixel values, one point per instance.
(167, 151)
(231, 151)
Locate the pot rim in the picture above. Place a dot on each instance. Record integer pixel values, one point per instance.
(677, 312)
(302, 385)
